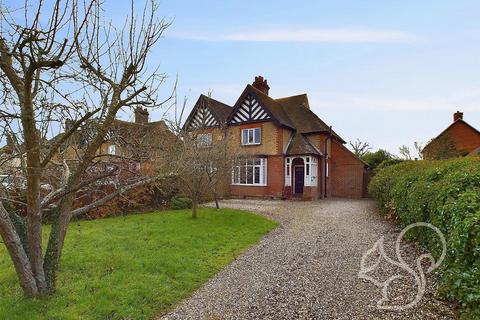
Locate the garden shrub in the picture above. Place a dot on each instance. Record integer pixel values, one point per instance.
(178, 203)
(446, 194)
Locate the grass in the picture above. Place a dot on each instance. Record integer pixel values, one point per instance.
(135, 267)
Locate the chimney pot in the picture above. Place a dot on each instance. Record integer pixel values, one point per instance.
(261, 84)
(457, 116)
(141, 115)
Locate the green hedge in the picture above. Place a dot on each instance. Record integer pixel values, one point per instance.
(179, 203)
(447, 194)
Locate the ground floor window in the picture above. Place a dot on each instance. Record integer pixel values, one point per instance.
(250, 171)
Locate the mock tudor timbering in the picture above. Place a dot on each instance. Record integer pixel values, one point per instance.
(288, 151)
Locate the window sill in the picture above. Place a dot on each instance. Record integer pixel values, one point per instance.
(250, 144)
(248, 185)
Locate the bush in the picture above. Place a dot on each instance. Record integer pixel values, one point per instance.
(446, 194)
(177, 203)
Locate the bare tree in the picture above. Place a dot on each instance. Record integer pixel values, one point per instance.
(418, 146)
(360, 148)
(203, 161)
(64, 62)
(405, 152)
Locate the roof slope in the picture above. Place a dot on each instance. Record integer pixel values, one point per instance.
(300, 145)
(291, 112)
(272, 107)
(304, 119)
(220, 110)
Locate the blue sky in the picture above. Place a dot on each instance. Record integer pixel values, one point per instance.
(387, 72)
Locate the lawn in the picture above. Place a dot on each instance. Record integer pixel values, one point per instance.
(137, 266)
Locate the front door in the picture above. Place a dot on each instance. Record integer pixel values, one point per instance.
(299, 178)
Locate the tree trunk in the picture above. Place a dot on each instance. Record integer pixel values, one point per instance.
(194, 208)
(18, 255)
(34, 172)
(217, 205)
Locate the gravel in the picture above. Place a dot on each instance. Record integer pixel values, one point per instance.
(308, 268)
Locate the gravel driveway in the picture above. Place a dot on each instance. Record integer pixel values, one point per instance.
(308, 268)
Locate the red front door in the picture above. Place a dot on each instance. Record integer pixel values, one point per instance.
(299, 178)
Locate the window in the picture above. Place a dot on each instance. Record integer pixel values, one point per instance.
(251, 136)
(251, 171)
(111, 149)
(204, 139)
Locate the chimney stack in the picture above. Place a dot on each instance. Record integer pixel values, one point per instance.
(141, 115)
(261, 84)
(457, 116)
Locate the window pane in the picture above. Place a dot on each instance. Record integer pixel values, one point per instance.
(307, 169)
(257, 161)
(243, 176)
(257, 135)
(250, 136)
(250, 175)
(257, 175)
(263, 171)
(244, 136)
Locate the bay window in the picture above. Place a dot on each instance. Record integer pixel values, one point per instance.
(250, 171)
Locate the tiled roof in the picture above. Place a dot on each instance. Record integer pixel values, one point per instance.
(220, 110)
(305, 120)
(300, 145)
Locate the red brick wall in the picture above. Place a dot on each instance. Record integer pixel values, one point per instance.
(275, 175)
(346, 173)
(465, 138)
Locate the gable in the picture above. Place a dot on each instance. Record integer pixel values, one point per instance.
(250, 110)
(202, 117)
(460, 134)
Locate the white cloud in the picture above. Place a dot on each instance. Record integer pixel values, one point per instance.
(308, 35)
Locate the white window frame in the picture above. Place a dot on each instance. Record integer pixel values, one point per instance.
(246, 166)
(112, 150)
(251, 136)
(310, 165)
(205, 139)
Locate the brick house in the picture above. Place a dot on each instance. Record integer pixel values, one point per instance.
(458, 139)
(286, 150)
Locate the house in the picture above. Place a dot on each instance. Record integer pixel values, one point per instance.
(458, 139)
(139, 143)
(286, 150)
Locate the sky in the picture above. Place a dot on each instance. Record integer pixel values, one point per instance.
(386, 72)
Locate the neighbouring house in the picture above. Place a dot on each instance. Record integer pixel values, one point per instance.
(457, 140)
(140, 143)
(285, 150)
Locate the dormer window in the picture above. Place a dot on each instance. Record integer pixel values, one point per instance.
(251, 136)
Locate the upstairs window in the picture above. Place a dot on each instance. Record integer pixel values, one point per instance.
(204, 139)
(111, 149)
(251, 136)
